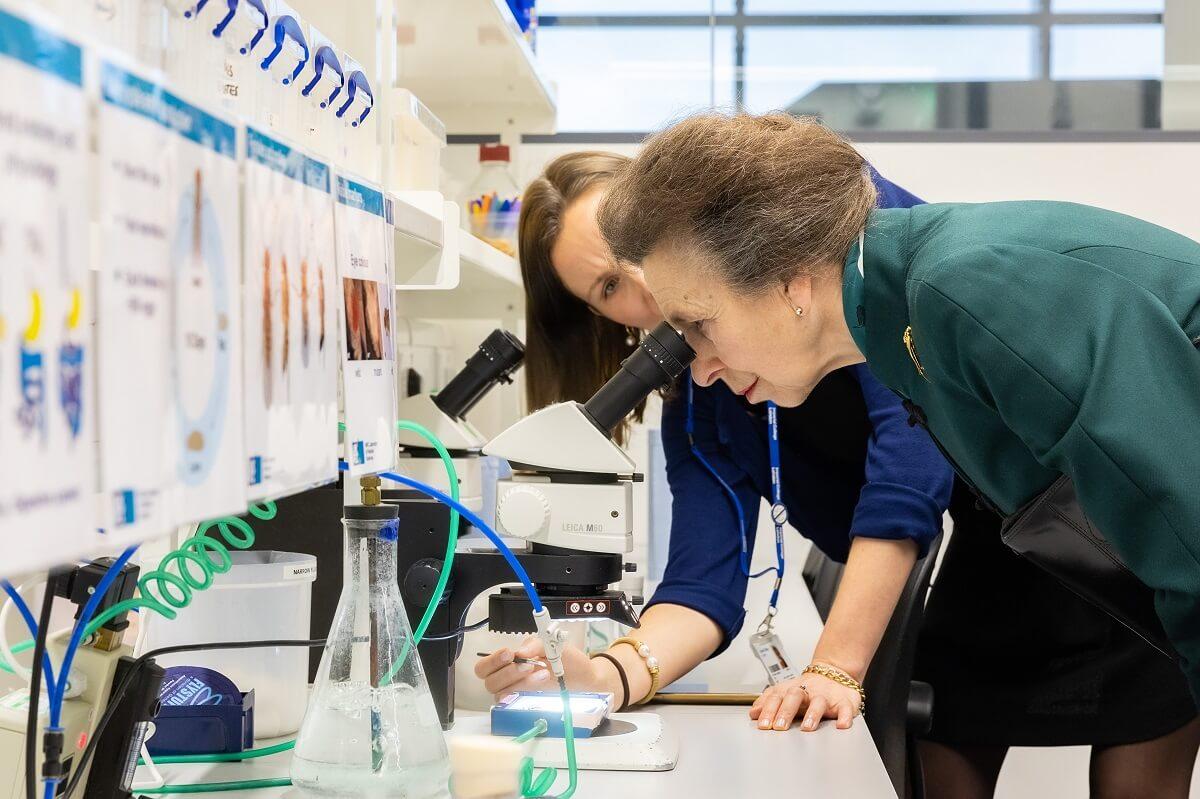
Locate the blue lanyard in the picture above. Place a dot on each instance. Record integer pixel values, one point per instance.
(778, 510)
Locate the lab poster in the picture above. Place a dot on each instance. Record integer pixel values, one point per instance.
(368, 354)
(46, 354)
(289, 302)
(170, 382)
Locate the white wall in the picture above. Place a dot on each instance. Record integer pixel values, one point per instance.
(1151, 180)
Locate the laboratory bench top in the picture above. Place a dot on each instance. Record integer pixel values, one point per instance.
(721, 755)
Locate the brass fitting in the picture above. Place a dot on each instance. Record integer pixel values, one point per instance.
(106, 640)
(370, 489)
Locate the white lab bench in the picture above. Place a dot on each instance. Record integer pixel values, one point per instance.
(721, 755)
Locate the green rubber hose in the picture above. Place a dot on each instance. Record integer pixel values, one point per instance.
(451, 545)
(217, 787)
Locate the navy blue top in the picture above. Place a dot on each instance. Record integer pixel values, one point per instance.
(850, 462)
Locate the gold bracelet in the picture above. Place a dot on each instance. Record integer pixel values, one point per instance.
(841, 678)
(651, 662)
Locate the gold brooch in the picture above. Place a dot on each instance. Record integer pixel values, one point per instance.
(912, 352)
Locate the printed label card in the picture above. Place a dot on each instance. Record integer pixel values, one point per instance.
(290, 312)
(368, 354)
(172, 448)
(47, 402)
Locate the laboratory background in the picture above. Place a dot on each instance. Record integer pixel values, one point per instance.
(272, 491)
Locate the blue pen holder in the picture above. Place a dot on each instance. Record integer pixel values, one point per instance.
(494, 220)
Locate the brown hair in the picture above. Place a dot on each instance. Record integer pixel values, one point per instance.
(569, 350)
(769, 197)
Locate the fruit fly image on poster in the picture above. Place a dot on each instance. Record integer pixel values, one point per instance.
(46, 353)
(172, 449)
(368, 363)
(290, 353)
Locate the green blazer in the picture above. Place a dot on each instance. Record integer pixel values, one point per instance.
(1049, 338)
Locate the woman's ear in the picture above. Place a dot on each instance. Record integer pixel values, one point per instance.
(798, 292)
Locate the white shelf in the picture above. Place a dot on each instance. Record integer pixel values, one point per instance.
(469, 62)
(489, 285)
(485, 268)
(425, 241)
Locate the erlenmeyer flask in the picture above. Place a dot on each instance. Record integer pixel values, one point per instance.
(371, 728)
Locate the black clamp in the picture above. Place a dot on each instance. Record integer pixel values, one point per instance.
(78, 585)
(52, 748)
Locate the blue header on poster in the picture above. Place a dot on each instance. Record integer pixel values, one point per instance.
(356, 195)
(39, 48)
(286, 160)
(149, 100)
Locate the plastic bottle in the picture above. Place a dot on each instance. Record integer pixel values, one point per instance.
(493, 202)
(371, 728)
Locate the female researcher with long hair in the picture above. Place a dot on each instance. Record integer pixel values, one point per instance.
(1045, 346)
(852, 470)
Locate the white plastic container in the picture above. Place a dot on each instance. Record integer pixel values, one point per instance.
(265, 595)
(418, 138)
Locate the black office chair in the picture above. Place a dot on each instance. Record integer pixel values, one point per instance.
(899, 708)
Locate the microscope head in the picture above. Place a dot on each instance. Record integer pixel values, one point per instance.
(444, 413)
(560, 438)
(574, 437)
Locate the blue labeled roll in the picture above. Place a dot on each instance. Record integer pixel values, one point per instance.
(201, 712)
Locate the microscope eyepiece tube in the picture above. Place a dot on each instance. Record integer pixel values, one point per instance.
(497, 358)
(662, 356)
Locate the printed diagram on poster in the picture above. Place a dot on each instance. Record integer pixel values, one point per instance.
(368, 356)
(169, 309)
(290, 314)
(46, 395)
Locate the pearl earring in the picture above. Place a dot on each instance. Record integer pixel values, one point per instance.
(630, 339)
(799, 311)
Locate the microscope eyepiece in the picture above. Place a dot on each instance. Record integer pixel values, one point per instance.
(497, 358)
(656, 363)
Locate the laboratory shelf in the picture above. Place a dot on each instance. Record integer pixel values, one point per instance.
(485, 267)
(470, 63)
(488, 287)
(425, 241)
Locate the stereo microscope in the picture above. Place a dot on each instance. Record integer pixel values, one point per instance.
(570, 500)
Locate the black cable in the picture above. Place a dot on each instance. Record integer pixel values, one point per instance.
(35, 687)
(456, 633)
(118, 693)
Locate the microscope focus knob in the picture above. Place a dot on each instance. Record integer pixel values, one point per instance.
(524, 512)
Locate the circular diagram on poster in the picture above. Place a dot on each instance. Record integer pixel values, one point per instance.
(202, 344)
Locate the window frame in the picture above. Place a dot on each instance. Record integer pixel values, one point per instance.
(1044, 19)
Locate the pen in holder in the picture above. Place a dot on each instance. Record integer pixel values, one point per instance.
(494, 220)
(492, 203)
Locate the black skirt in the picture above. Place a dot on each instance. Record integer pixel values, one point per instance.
(1015, 658)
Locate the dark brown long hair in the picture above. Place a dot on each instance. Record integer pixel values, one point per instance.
(569, 350)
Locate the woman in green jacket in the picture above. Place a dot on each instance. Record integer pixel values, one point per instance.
(1036, 340)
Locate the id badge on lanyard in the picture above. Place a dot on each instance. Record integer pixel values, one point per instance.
(769, 650)
(765, 643)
